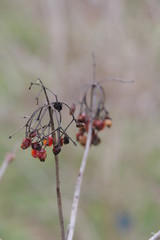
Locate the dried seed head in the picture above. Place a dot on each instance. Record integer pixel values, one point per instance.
(43, 129)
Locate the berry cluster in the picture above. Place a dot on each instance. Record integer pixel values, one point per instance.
(38, 147)
(44, 127)
(92, 109)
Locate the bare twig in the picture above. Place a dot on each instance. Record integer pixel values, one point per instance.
(71, 226)
(156, 236)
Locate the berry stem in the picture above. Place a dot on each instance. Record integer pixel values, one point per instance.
(58, 191)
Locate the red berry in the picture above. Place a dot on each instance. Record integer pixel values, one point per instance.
(78, 135)
(26, 143)
(82, 118)
(48, 141)
(83, 140)
(98, 124)
(34, 153)
(32, 134)
(42, 155)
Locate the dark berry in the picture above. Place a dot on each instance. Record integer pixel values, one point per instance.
(80, 125)
(66, 140)
(36, 146)
(56, 149)
(58, 106)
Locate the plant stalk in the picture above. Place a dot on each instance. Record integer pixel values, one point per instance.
(156, 236)
(58, 191)
(73, 216)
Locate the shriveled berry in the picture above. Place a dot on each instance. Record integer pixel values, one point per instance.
(66, 140)
(83, 140)
(34, 153)
(78, 135)
(58, 106)
(80, 125)
(42, 155)
(32, 134)
(36, 146)
(48, 141)
(108, 122)
(56, 149)
(95, 140)
(26, 143)
(82, 118)
(98, 124)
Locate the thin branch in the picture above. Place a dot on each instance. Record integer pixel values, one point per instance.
(73, 216)
(156, 236)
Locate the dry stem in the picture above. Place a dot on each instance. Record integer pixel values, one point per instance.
(71, 226)
(156, 236)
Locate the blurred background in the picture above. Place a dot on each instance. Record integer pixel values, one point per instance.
(54, 40)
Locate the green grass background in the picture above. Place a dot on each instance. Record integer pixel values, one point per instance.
(54, 40)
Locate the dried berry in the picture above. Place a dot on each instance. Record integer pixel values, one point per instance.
(108, 122)
(56, 149)
(58, 106)
(98, 124)
(34, 153)
(26, 143)
(36, 146)
(33, 134)
(81, 118)
(42, 155)
(95, 139)
(66, 140)
(83, 140)
(78, 135)
(80, 125)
